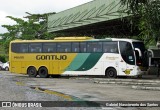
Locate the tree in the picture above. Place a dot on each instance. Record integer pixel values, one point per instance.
(34, 26)
(40, 19)
(148, 14)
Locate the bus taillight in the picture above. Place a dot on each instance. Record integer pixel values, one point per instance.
(139, 63)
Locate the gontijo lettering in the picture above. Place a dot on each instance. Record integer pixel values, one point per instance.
(51, 57)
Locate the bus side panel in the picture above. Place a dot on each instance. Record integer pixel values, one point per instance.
(53, 67)
(24, 68)
(111, 60)
(62, 66)
(86, 64)
(16, 67)
(59, 64)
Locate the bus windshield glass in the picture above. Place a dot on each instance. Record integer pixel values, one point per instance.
(127, 52)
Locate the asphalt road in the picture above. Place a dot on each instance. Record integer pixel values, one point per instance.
(15, 87)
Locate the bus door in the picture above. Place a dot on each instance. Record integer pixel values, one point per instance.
(127, 62)
(122, 66)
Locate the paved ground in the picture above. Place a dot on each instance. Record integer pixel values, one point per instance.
(16, 87)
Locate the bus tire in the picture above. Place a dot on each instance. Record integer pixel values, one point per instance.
(43, 72)
(32, 72)
(111, 73)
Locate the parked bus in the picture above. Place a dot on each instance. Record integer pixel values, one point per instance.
(77, 56)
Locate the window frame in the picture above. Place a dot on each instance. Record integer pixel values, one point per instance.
(111, 47)
(35, 49)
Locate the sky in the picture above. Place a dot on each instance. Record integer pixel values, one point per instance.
(17, 8)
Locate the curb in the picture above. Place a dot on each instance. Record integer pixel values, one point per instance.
(122, 80)
(130, 80)
(126, 83)
(138, 86)
(146, 88)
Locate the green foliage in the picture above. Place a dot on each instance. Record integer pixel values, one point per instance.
(3, 58)
(32, 27)
(148, 14)
(134, 6)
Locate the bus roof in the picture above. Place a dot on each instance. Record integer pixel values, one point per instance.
(125, 39)
(73, 38)
(68, 39)
(57, 39)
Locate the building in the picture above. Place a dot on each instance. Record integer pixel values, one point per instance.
(98, 17)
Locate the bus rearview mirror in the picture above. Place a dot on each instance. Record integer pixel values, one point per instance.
(139, 52)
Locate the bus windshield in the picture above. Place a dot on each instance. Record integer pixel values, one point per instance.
(127, 52)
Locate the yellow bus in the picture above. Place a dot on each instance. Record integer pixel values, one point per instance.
(77, 56)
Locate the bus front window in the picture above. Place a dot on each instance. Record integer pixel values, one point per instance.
(127, 52)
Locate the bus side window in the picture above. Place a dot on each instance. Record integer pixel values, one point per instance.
(35, 47)
(31, 50)
(38, 49)
(64, 47)
(110, 47)
(49, 50)
(99, 47)
(106, 47)
(75, 47)
(114, 50)
(105, 50)
(83, 48)
(24, 48)
(94, 49)
(49, 47)
(66, 50)
(75, 50)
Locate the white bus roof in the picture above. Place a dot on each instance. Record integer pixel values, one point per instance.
(125, 39)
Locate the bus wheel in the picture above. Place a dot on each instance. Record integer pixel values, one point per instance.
(32, 72)
(111, 73)
(43, 72)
